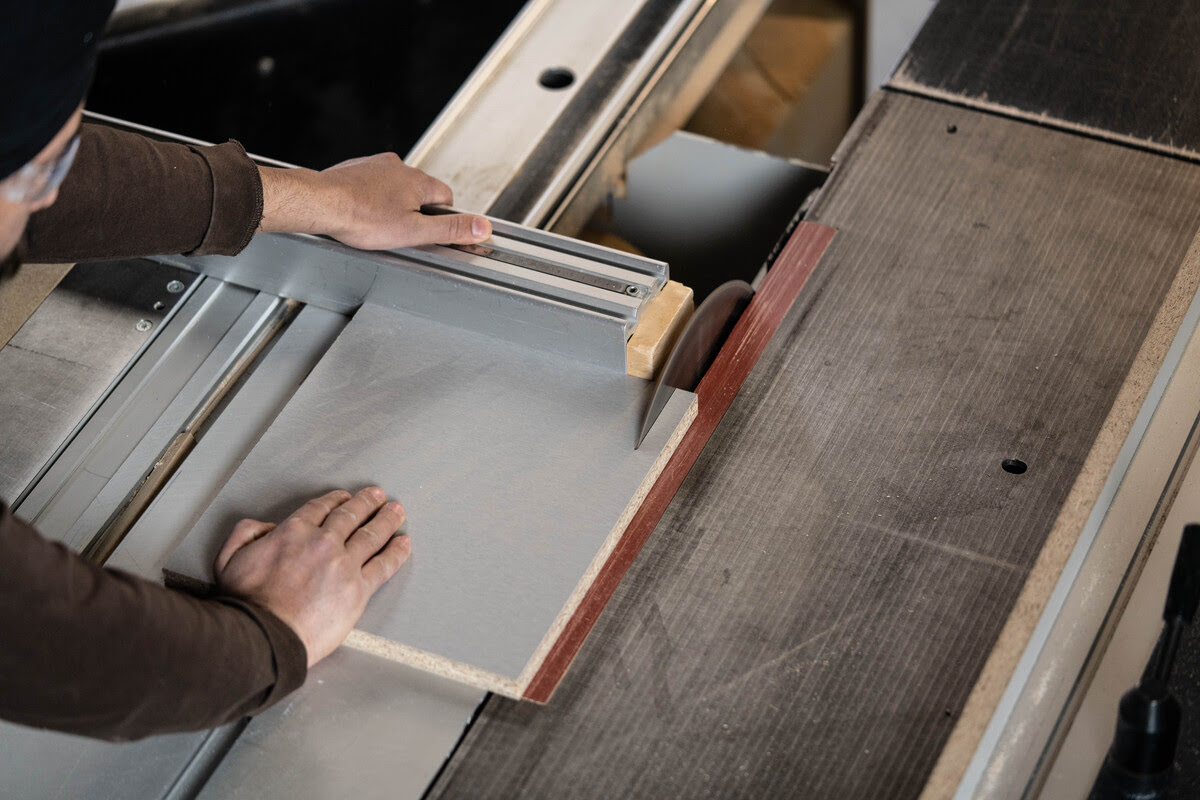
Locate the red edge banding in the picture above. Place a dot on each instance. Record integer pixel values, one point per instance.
(716, 392)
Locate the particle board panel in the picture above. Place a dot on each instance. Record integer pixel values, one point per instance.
(1124, 69)
(811, 614)
(516, 468)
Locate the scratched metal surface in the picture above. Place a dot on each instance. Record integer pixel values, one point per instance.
(810, 615)
(69, 352)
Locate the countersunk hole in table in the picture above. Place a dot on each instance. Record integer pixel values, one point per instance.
(557, 78)
(1014, 465)
(951, 128)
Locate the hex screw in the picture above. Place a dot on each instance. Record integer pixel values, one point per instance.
(143, 325)
(175, 287)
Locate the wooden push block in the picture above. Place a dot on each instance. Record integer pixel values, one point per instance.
(662, 321)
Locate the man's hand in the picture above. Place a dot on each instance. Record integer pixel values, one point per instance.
(372, 203)
(317, 569)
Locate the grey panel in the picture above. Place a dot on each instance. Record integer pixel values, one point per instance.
(360, 727)
(513, 464)
(56, 766)
(810, 615)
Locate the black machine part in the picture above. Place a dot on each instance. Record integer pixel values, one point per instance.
(1140, 761)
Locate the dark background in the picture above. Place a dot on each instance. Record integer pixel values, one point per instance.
(311, 82)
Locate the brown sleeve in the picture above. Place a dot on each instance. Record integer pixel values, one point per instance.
(102, 653)
(129, 196)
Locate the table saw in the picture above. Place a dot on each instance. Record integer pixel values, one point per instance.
(935, 456)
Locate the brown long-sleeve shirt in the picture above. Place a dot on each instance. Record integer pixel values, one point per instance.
(96, 651)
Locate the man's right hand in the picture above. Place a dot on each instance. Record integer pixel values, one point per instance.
(317, 569)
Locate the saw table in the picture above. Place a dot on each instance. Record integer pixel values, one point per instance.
(936, 457)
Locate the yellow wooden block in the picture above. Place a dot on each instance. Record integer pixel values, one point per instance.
(662, 320)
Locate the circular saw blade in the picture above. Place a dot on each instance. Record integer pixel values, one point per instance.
(698, 345)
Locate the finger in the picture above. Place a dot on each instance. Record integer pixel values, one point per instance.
(386, 562)
(316, 510)
(453, 229)
(436, 193)
(346, 518)
(367, 540)
(243, 534)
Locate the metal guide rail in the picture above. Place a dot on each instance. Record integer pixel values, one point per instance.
(528, 286)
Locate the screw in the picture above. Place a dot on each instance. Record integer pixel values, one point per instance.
(159, 305)
(175, 287)
(143, 325)
(633, 291)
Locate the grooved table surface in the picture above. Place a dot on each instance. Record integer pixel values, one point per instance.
(811, 613)
(1125, 68)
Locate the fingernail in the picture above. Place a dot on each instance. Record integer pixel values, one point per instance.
(480, 227)
(377, 493)
(395, 507)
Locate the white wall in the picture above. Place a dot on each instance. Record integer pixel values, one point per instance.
(891, 27)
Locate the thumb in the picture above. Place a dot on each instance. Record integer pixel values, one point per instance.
(454, 228)
(243, 534)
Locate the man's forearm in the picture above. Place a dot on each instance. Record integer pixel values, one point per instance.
(129, 196)
(100, 653)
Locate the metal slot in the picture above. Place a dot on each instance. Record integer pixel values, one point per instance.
(551, 268)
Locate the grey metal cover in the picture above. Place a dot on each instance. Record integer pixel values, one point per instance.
(514, 465)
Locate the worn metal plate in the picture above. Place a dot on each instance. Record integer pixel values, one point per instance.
(57, 766)
(69, 352)
(812, 611)
(191, 349)
(514, 465)
(360, 727)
